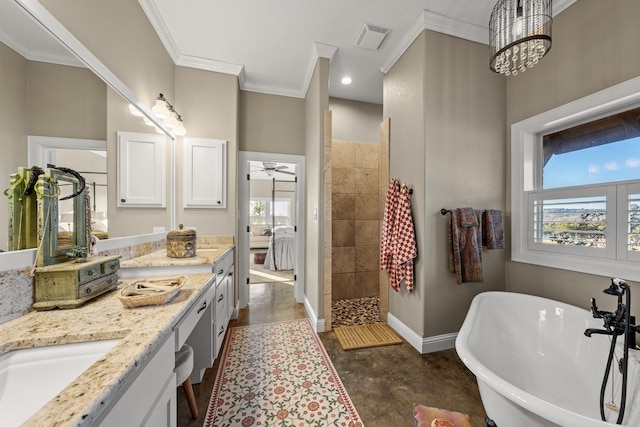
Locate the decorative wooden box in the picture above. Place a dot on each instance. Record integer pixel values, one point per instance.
(71, 284)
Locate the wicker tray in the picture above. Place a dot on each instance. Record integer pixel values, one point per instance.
(145, 292)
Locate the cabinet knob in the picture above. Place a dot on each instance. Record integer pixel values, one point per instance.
(90, 273)
(88, 290)
(123, 200)
(219, 202)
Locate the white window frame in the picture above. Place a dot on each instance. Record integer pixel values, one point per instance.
(525, 158)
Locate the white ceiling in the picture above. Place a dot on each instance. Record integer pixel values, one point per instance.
(272, 45)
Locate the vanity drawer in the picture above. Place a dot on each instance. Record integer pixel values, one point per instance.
(90, 272)
(189, 321)
(221, 268)
(95, 286)
(110, 266)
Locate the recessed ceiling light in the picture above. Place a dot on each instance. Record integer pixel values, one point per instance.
(346, 80)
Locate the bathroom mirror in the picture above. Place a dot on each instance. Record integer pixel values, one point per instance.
(30, 31)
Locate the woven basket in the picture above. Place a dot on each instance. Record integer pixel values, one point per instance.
(158, 298)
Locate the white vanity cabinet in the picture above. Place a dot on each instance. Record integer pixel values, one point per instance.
(150, 400)
(208, 334)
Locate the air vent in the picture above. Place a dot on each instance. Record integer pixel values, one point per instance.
(371, 37)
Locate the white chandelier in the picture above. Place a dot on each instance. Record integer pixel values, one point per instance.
(519, 34)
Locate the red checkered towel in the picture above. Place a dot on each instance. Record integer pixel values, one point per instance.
(398, 243)
(386, 239)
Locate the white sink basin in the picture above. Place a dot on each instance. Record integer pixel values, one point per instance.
(31, 377)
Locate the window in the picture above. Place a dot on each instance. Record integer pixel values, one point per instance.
(261, 211)
(575, 194)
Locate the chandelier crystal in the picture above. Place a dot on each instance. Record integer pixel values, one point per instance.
(519, 35)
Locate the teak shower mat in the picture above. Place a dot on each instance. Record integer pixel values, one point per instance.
(278, 374)
(364, 336)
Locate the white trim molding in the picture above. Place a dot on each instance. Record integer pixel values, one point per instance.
(524, 136)
(422, 344)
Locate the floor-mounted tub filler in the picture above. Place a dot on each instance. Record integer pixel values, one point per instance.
(535, 366)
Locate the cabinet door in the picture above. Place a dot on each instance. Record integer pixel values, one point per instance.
(164, 412)
(142, 166)
(150, 397)
(204, 169)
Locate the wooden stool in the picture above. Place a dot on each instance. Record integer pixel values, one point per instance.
(184, 366)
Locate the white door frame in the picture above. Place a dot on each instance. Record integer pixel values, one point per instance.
(243, 221)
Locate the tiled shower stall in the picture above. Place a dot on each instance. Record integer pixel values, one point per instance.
(359, 177)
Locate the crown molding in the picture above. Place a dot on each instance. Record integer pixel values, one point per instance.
(323, 50)
(409, 36)
(427, 20)
(453, 27)
(66, 58)
(560, 5)
(153, 14)
(210, 65)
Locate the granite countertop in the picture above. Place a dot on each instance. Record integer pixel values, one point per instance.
(158, 263)
(141, 331)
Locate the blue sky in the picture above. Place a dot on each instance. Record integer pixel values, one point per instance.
(617, 161)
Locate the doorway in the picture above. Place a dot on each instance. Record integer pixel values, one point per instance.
(271, 222)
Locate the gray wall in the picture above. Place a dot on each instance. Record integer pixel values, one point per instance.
(271, 123)
(316, 101)
(210, 102)
(13, 125)
(47, 100)
(595, 46)
(124, 40)
(355, 121)
(447, 112)
(66, 102)
(404, 104)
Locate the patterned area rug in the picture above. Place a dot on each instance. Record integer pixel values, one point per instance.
(278, 374)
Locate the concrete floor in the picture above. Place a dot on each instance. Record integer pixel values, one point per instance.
(383, 382)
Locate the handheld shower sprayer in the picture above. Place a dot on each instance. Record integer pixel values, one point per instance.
(617, 288)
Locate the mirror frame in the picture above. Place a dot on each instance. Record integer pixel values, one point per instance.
(48, 189)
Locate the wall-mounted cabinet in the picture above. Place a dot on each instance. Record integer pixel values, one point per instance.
(205, 171)
(142, 170)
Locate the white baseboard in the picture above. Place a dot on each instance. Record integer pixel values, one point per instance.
(318, 324)
(422, 344)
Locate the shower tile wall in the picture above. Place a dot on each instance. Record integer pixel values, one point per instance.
(355, 220)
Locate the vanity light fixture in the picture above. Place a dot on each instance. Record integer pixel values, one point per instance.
(164, 111)
(346, 80)
(519, 35)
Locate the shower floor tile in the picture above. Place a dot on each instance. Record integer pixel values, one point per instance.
(355, 311)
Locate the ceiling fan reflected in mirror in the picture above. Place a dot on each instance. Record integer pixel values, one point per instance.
(271, 167)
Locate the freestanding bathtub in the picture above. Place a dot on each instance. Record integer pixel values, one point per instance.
(535, 367)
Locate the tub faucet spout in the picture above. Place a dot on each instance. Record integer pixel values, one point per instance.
(592, 331)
